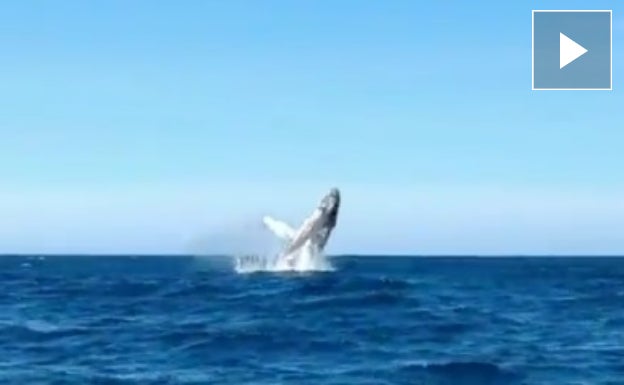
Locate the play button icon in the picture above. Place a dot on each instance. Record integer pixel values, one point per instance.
(569, 50)
(572, 50)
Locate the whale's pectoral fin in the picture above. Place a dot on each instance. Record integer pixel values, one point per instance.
(279, 228)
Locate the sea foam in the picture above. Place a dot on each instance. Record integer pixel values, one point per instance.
(307, 259)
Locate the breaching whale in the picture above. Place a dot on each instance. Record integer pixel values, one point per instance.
(313, 233)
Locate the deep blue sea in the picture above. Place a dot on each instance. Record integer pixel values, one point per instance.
(374, 320)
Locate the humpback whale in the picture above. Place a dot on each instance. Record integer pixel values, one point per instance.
(313, 233)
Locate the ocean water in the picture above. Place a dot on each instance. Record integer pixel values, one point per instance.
(373, 320)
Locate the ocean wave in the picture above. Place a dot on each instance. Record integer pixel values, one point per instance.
(188, 288)
(348, 301)
(460, 373)
(333, 284)
(39, 331)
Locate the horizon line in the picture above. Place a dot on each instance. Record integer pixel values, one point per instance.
(343, 255)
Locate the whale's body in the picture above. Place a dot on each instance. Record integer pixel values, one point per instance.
(313, 233)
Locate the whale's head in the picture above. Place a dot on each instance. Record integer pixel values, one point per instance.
(330, 205)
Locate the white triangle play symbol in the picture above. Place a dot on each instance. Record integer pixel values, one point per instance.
(569, 50)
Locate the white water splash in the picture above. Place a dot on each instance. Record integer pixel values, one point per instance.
(306, 259)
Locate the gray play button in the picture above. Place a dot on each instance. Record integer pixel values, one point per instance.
(571, 50)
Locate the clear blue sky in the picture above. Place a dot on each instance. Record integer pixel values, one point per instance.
(155, 126)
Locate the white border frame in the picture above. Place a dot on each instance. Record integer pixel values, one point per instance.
(533, 49)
